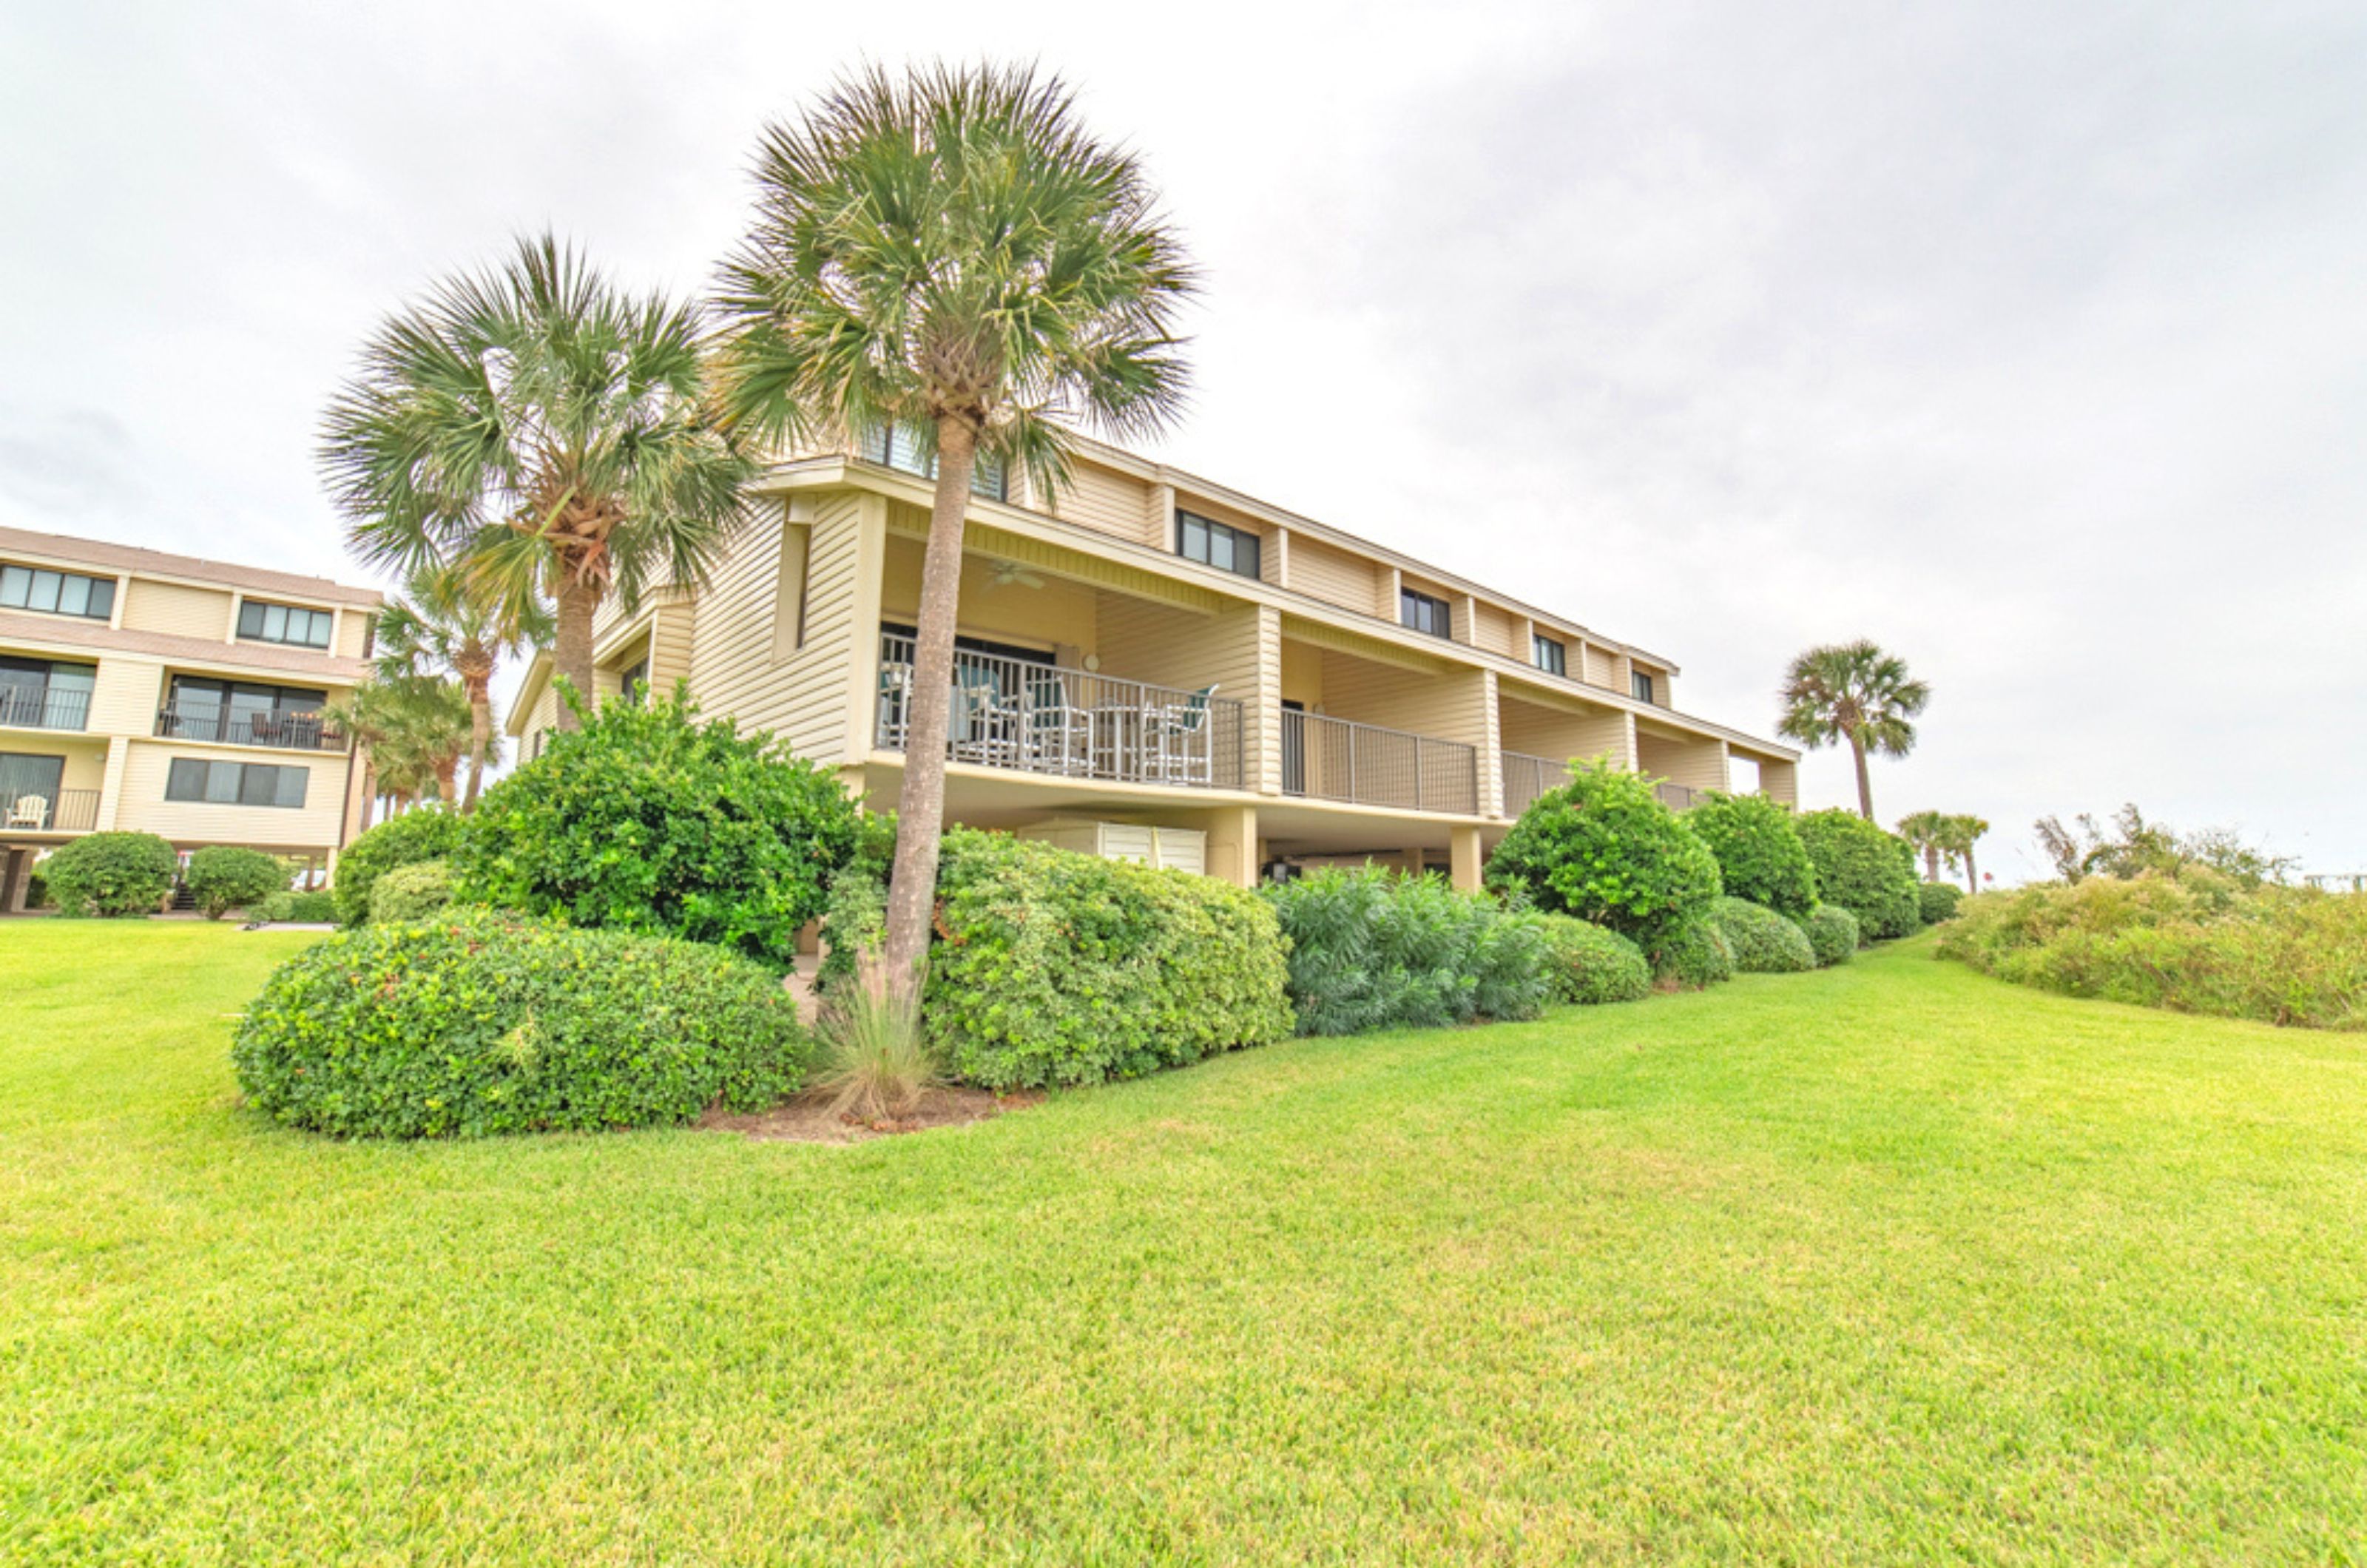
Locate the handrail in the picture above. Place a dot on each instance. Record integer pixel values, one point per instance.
(1367, 765)
(73, 811)
(43, 707)
(1040, 718)
(205, 722)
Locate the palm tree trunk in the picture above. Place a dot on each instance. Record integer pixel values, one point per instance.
(481, 736)
(571, 648)
(1931, 858)
(1864, 780)
(921, 814)
(1971, 878)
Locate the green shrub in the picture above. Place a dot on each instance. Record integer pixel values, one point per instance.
(1763, 941)
(1065, 968)
(2196, 941)
(1833, 934)
(412, 892)
(429, 832)
(1694, 957)
(308, 908)
(1588, 965)
(1937, 901)
(1865, 869)
(37, 891)
(222, 877)
(646, 819)
(1373, 950)
(482, 1022)
(111, 874)
(1602, 848)
(1759, 855)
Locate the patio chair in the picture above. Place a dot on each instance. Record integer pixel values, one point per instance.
(895, 705)
(1181, 750)
(30, 811)
(1060, 734)
(985, 728)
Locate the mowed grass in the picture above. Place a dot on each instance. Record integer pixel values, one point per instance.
(1886, 1264)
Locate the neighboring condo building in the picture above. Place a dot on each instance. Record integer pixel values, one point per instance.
(1157, 666)
(162, 694)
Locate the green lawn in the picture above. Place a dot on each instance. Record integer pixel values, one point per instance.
(1887, 1264)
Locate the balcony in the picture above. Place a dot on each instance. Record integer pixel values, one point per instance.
(1036, 718)
(43, 707)
(1527, 777)
(73, 811)
(230, 727)
(1363, 764)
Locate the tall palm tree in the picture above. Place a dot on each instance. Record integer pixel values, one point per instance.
(1929, 832)
(1962, 834)
(543, 426)
(951, 253)
(450, 618)
(414, 729)
(1856, 693)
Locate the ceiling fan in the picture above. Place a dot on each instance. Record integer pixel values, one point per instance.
(1007, 572)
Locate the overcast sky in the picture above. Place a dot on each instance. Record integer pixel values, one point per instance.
(2029, 340)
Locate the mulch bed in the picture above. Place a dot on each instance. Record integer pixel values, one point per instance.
(810, 1120)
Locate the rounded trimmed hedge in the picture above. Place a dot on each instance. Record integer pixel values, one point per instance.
(412, 892)
(425, 833)
(1764, 942)
(1693, 957)
(111, 874)
(1603, 848)
(484, 1023)
(1833, 934)
(1938, 901)
(1588, 965)
(1759, 855)
(1866, 871)
(222, 877)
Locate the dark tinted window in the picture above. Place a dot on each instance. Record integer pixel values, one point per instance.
(1424, 613)
(261, 622)
(1551, 656)
(1216, 544)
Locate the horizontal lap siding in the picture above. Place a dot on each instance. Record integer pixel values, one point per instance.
(144, 809)
(1110, 503)
(182, 610)
(1326, 572)
(1232, 651)
(1563, 736)
(669, 644)
(803, 697)
(1696, 764)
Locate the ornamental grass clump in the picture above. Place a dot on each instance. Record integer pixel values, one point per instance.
(876, 1060)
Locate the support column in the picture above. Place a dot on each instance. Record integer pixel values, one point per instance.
(1464, 857)
(110, 789)
(1233, 845)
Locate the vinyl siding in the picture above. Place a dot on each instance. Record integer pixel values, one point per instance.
(1110, 503)
(1603, 669)
(1143, 641)
(1695, 763)
(1496, 631)
(126, 696)
(173, 607)
(817, 698)
(1559, 736)
(353, 632)
(672, 638)
(144, 807)
(1327, 573)
(1056, 613)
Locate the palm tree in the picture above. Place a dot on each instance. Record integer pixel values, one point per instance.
(954, 254)
(415, 729)
(1929, 832)
(1856, 693)
(451, 618)
(545, 428)
(1961, 834)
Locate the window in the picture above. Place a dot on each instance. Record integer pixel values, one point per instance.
(1640, 682)
(1216, 544)
(37, 694)
(1424, 613)
(632, 677)
(259, 622)
(1548, 654)
(56, 592)
(898, 446)
(236, 783)
(246, 713)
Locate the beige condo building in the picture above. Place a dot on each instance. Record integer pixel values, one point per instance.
(1158, 666)
(162, 694)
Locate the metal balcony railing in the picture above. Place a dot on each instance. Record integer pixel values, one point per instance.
(43, 707)
(1337, 759)
(73, 811)
(1036, 718)
(226, 726)
(1675, 796)
(1527, 777)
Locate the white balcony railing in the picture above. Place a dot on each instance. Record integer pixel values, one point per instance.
(1037, 718)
